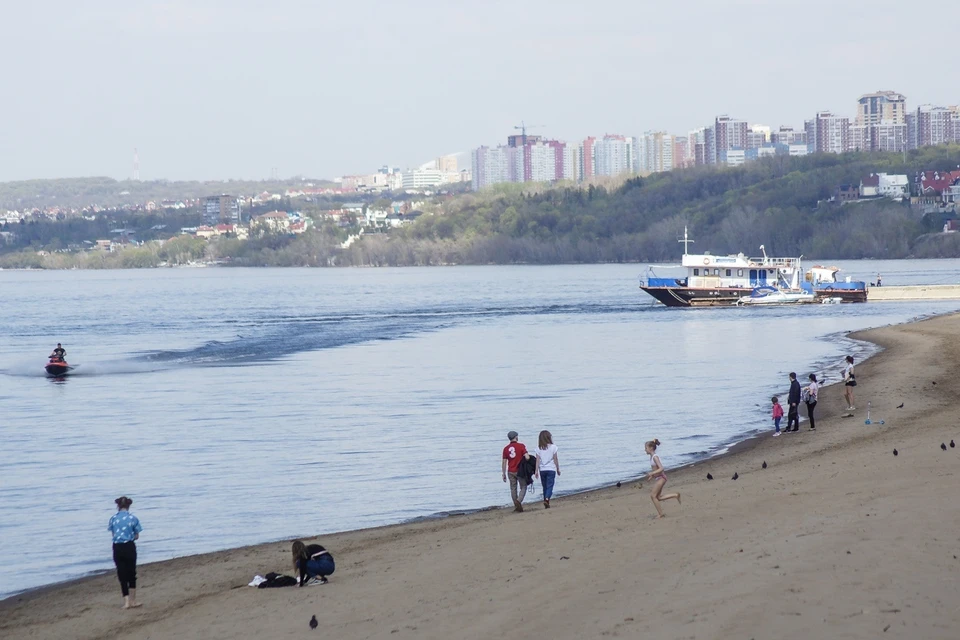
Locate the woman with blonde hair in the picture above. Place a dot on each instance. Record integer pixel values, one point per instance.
(659, 477)
(548, 465)
(313, 562)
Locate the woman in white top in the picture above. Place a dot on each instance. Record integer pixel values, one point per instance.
(658, 476)
(548, 465)
(849, 382)
(811, 394)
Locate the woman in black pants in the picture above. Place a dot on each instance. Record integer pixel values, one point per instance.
(126, 529)
(810, 395)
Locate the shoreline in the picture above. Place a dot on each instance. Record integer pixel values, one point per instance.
(738, 444)
(426, 578)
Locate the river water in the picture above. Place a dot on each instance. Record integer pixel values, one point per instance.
(238, 406)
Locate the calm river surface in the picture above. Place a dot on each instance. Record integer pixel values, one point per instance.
(238, 406)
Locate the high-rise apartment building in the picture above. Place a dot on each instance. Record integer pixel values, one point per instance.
(681, 152)
(788, 136)
(613, 155)
(588, 161)
(447, 164)
(222, 209)
(657, 152)
(729, 134)
(832, 133)
(881, 107)
(934, 125)
(881, 122)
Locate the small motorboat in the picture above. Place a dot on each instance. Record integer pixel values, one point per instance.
(57, 367)
(768, 295)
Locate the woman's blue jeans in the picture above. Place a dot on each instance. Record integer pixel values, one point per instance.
(322, 566)
(547, 478)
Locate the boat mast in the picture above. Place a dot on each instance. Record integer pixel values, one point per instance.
(686, 240)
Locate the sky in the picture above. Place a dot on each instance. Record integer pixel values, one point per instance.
(219, 89)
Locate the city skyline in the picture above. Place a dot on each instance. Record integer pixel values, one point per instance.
(214, 89)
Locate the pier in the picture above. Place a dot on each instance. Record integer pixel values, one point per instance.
(914, 292)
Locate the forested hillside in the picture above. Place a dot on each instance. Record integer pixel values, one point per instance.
(779, 202)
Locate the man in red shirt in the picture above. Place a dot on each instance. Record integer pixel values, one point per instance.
(513, 454)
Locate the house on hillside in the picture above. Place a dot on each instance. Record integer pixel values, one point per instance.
(276, 221)
(951, 226)
(847, 193)
(894, 186)
(870, 186)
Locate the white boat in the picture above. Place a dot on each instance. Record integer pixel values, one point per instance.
(773, 296)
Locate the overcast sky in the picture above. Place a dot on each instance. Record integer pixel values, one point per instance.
(210, 89)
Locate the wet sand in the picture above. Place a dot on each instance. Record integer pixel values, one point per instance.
(837, 538)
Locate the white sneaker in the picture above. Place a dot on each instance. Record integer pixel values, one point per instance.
(776, 434)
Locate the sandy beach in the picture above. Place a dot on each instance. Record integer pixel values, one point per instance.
(837, 538)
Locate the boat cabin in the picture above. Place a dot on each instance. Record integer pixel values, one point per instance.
(706, 271)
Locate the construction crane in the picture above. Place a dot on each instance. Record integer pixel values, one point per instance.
(523, 129)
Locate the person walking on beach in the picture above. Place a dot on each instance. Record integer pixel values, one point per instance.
(879, 281)
(312, 562)
(793, 399)
(777, 415)
(126, 529)
(849, 382)
(811, 394)
(659, 477)
(513, 454)
(548, 465)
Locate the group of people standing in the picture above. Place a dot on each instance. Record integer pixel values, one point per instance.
(809, 396)
(520, 467)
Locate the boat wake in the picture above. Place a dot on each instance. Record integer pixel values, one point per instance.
(272, 338)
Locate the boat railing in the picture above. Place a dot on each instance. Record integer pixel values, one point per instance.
(777, 262)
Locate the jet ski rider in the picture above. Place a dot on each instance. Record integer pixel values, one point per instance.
(59, 354)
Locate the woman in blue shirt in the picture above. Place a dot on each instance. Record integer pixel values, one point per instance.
(125, 528)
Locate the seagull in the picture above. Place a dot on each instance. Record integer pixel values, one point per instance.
(943, 446)
(900, 406)
(313, 623)
(709, 477)
(764, 464)
(735, 475)
(895, 452)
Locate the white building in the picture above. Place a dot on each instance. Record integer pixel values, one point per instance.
(613, 155)
(893, 186)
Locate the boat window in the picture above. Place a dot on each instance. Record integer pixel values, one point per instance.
(729, 272)
(696, 272)
(716, 272)
(739, 273)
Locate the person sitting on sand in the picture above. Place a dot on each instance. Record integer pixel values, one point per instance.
(313, 562)
(658, 476)
(126, 529)
(849, 382)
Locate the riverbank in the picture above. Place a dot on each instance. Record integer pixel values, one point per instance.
(836, 538)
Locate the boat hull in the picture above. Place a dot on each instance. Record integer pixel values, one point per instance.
(728, 297)
(57, 368)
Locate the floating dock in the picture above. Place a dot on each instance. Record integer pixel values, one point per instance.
(914, 292)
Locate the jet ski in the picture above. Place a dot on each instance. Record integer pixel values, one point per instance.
(58, 367)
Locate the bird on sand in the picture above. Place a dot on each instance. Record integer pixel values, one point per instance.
(709, 477)
(900, 406)
(895, 452)
(313, 623)
(952, 445)
(934, 382)
(764, 466)
(618, 485)
(735, 475)
(943, 447)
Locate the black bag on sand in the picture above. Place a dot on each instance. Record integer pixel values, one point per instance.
(274, 580)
